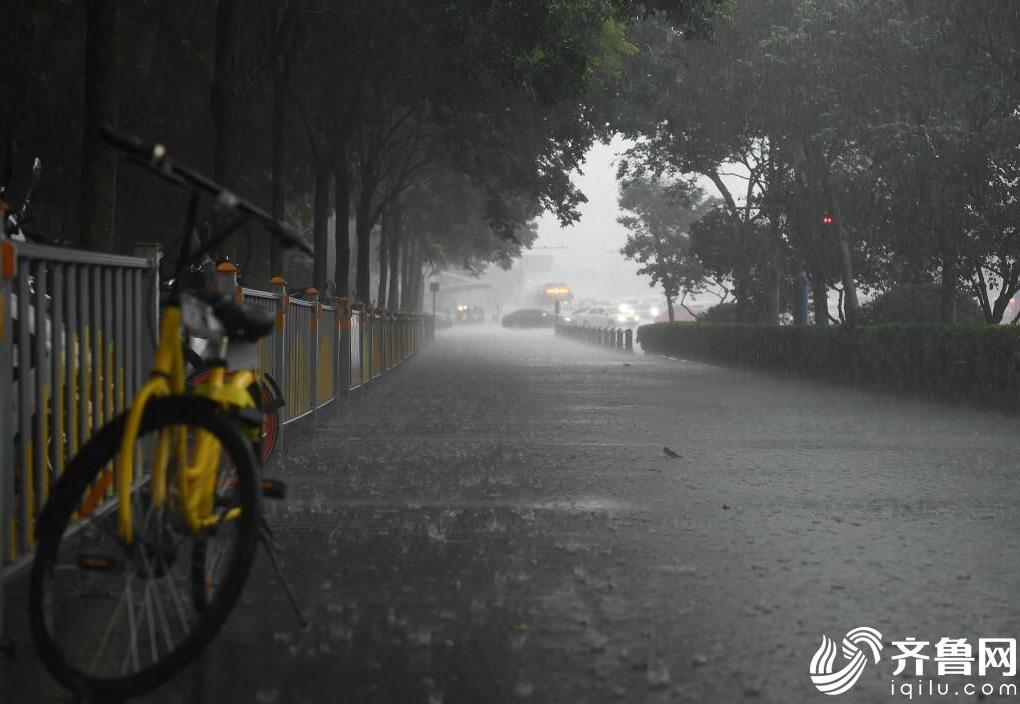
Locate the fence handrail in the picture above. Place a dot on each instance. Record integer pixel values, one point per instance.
(64, 255)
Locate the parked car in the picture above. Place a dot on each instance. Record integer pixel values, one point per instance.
(529, 318)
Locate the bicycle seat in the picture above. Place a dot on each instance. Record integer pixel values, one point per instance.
(209, 314)
(243, 323)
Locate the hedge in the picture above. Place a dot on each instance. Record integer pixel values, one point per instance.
(975, 364)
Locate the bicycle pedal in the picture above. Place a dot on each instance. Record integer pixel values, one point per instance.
(274, 489)
(98, 562)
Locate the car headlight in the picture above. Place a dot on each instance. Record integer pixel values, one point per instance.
(653, 311)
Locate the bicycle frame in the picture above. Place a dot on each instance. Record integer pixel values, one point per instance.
(198, 465)
(196, 478)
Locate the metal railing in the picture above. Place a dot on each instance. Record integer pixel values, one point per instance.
(613, 338)
(77, 331)
(378, 340)
(75, 335)
(318, 350)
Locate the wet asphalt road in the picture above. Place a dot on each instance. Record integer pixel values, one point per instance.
(497, 521)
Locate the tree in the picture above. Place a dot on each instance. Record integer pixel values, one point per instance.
(659, 214)
(878, 141)
(386, 95)
(690, 106)
(99, 161)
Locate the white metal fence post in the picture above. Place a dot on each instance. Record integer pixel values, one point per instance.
(313, 350)
(279, 288)
(343, 314)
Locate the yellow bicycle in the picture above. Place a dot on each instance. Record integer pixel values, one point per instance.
(148, 538)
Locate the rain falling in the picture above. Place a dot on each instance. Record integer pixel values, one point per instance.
(574, 351)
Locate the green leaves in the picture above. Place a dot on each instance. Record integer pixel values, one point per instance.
(658, 214)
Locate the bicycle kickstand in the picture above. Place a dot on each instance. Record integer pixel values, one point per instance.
(266, 536)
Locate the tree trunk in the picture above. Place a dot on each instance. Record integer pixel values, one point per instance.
(405, 274)
(384, 260)
(771, 314)
(363, 234)
(99, 160)
(846, 264)
(320, 219)
(283, 63)
(742, 292)
(226, 127)
(341, 213)
(950, 275)
(669, 308)
(820, 299)
(396, 240)
(415, 278)
(223, 102)
(949, 246)
(742, 276)
(279, 145)
(847, 272)
(418, 274)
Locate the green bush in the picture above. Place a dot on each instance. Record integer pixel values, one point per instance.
(720, 313)
(917, 304)
(971, 363)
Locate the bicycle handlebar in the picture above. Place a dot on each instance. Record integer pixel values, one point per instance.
(155, 156)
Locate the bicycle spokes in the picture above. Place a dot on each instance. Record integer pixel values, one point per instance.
(116, 609)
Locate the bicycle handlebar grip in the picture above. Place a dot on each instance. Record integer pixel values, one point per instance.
(133, 145)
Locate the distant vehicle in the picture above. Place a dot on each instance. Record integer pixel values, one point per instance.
(643, 309)
(627, 313)
(465, 314)
(529, 318)
(604, 317)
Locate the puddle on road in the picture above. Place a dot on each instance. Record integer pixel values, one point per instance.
(587, 504)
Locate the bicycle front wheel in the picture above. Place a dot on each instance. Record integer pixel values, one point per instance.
(117, 619)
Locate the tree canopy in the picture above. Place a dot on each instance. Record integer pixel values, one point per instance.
(371, 113)
(878, 142)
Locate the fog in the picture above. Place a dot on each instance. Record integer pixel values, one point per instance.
(586, 255)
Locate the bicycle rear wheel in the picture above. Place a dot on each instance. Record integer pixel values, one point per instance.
(265, 400)
(115, 619)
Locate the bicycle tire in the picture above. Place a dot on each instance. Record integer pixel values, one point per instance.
(66, 498)
(271, 430)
